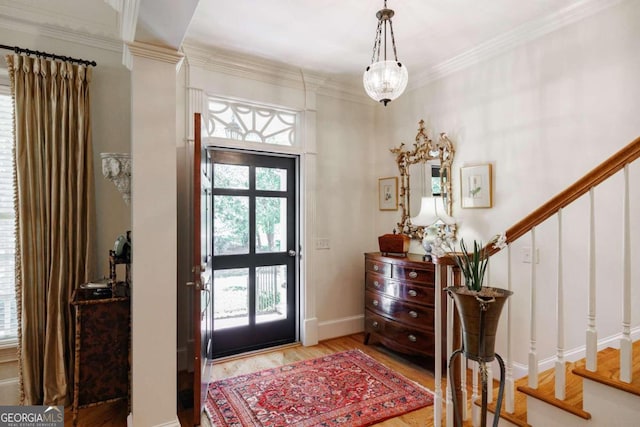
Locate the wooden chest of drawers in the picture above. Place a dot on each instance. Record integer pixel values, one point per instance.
(399, 304)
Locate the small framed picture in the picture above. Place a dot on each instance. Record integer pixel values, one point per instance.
(388, 193)
(475, 186)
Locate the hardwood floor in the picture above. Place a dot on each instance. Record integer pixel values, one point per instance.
(416, 369)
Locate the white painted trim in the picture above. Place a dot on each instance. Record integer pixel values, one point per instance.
(239, 65)
(520, 369)
(340, 327)
(510, 40)
(157, 53)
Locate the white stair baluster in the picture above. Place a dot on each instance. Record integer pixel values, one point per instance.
(533, 357)
(592, 333)
(626, 345)
(509, 383)
(560, 370)
(451, 387)
(437, 400)
(463, 360)
(475, 397)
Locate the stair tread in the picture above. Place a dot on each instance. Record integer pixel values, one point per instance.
(546, 391)
(608, 369)
(519, 415)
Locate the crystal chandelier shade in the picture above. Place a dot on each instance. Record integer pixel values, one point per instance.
(385, 80)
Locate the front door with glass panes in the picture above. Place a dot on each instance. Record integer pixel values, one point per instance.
(254, 251)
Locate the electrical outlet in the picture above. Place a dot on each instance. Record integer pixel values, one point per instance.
(322, 243)
(526, 255)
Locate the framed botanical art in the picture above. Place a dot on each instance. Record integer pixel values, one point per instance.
(388, 193)
(475, 186)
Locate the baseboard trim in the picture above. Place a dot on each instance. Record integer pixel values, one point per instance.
(340, 327)
(520, 370)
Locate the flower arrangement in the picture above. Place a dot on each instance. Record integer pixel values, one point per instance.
(439, 238)
(473, 265)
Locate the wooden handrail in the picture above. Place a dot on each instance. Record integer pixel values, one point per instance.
(596, 176)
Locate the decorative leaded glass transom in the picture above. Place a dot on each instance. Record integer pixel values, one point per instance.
(245, 122)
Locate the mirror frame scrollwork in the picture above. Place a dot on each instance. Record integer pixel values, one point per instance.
(423, 151)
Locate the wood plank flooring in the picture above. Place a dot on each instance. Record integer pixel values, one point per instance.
(416, 369)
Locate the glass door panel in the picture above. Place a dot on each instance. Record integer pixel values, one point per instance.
(271, 224)
(231, 302)
(271, 293)
(255, 262)
(230, 225)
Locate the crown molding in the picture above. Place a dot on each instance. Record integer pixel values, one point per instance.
(510, 40)
(251, 67)
(64, 34)
(157, 53)
(235, 64)
(34, 16)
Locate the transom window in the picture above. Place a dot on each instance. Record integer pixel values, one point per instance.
(246, 122)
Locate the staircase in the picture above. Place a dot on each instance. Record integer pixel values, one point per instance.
(593, 381)
(591, 399)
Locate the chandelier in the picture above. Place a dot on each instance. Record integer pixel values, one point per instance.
(385, 80)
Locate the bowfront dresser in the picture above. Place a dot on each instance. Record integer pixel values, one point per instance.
(400, 304)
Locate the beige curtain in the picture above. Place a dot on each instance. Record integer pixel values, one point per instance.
(55, 214)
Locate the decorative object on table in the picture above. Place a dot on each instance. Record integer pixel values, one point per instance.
(394, 244)
(385, 80)
(305, 393)
(479, 308)
(437, 157)
(388, 193)
(116, 167)
(436, 224)
(476, 186)
(121, 254)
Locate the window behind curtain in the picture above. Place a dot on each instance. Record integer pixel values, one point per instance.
(8, 319)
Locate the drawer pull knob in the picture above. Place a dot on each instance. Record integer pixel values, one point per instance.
(376, 268)
(376, 284)
(412, 293)
(412, 338)
(375, 302)
(413, 274)
(374, 324)
(413, 314)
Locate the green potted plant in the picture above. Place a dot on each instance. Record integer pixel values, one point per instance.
(479, 306)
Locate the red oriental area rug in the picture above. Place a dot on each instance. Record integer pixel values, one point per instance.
(342, 389)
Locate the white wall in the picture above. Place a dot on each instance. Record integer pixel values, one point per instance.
(544, 114)
(346, 208)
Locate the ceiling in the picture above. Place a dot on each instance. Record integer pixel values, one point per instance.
(329, 36)
(336, 36)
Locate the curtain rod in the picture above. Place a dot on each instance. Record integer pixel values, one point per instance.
(37, 53)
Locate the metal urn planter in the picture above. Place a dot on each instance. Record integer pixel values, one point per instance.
(479, 313)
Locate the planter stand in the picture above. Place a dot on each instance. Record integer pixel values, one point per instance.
(479, 347)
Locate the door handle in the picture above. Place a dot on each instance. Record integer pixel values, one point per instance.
(194, 284)
(292, 253)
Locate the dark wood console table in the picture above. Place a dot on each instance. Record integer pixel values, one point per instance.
(102, 346)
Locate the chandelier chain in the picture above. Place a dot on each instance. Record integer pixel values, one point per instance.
(393, 41)
(376, 43)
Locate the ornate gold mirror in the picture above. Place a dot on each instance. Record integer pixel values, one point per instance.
(429, 202)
